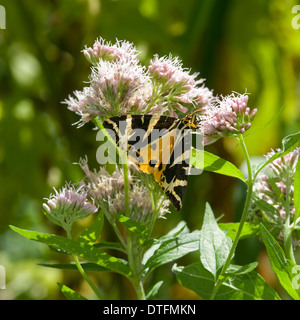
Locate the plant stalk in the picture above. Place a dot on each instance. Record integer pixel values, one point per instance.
(288, 228)
(222, 276)
(133, 259)
(82, 272)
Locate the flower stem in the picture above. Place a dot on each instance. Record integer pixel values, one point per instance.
(139, 289)
(288, 239)
(116, 229)
(126, 187)
(222, 277)
(86, 278)
(133, 259)
(82, 272)
(287, 228)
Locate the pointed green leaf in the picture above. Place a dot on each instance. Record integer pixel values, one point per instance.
(58, 250)
(80, 249)
(87, 266)
(288, 144)
(110, 245)
(171, 249)
(214, 244)
(267, 209)
(151, 294)
(283, 267)
(92, 232)
(234, 270)
(181, 228)
(133, 226)
(69, 293)
(230, 228)
(215, 164)
(250, 286)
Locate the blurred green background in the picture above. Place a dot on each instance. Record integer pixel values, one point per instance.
(236, 45)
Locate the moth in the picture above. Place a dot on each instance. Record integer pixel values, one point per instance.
(158, 145)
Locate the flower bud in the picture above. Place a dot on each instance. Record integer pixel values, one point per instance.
(68, 205)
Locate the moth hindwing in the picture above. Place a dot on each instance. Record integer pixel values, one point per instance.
(158, 145)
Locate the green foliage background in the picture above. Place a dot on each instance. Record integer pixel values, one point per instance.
(236, 45)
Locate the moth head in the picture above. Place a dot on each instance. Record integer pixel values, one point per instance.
(192, 119)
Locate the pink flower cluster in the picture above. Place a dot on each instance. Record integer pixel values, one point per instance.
(176, 86)
(68, 205)
(102, 50)
(120, 85)
(226, 116)
(108, 191)
(116, 88)
(276, 186)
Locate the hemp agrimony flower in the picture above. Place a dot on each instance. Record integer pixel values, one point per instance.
(176, 88)
(108, 191)
(101, 185)
(103, 50)
(116, 88)
(68, 205)
(276, 188)
(120, 85)
(226, 117)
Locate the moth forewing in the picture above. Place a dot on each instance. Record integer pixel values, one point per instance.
(158, 145)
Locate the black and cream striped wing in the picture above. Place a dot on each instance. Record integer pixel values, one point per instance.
(155, 144)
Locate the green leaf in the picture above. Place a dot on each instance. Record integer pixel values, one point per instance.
(234, 270)
(133, 226)
(215, 164)
(214, 244)
(58, 250)
(170, 250)
(270, 211)
(288, 144)
(275, 189)
(92, 232)
(151, 294)
(249, 229)
(281, 266)
(181, 228)
(250, 286)
(77, 248)
(110, 245)
(297, 190)
(87, 266)
(69, 293)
